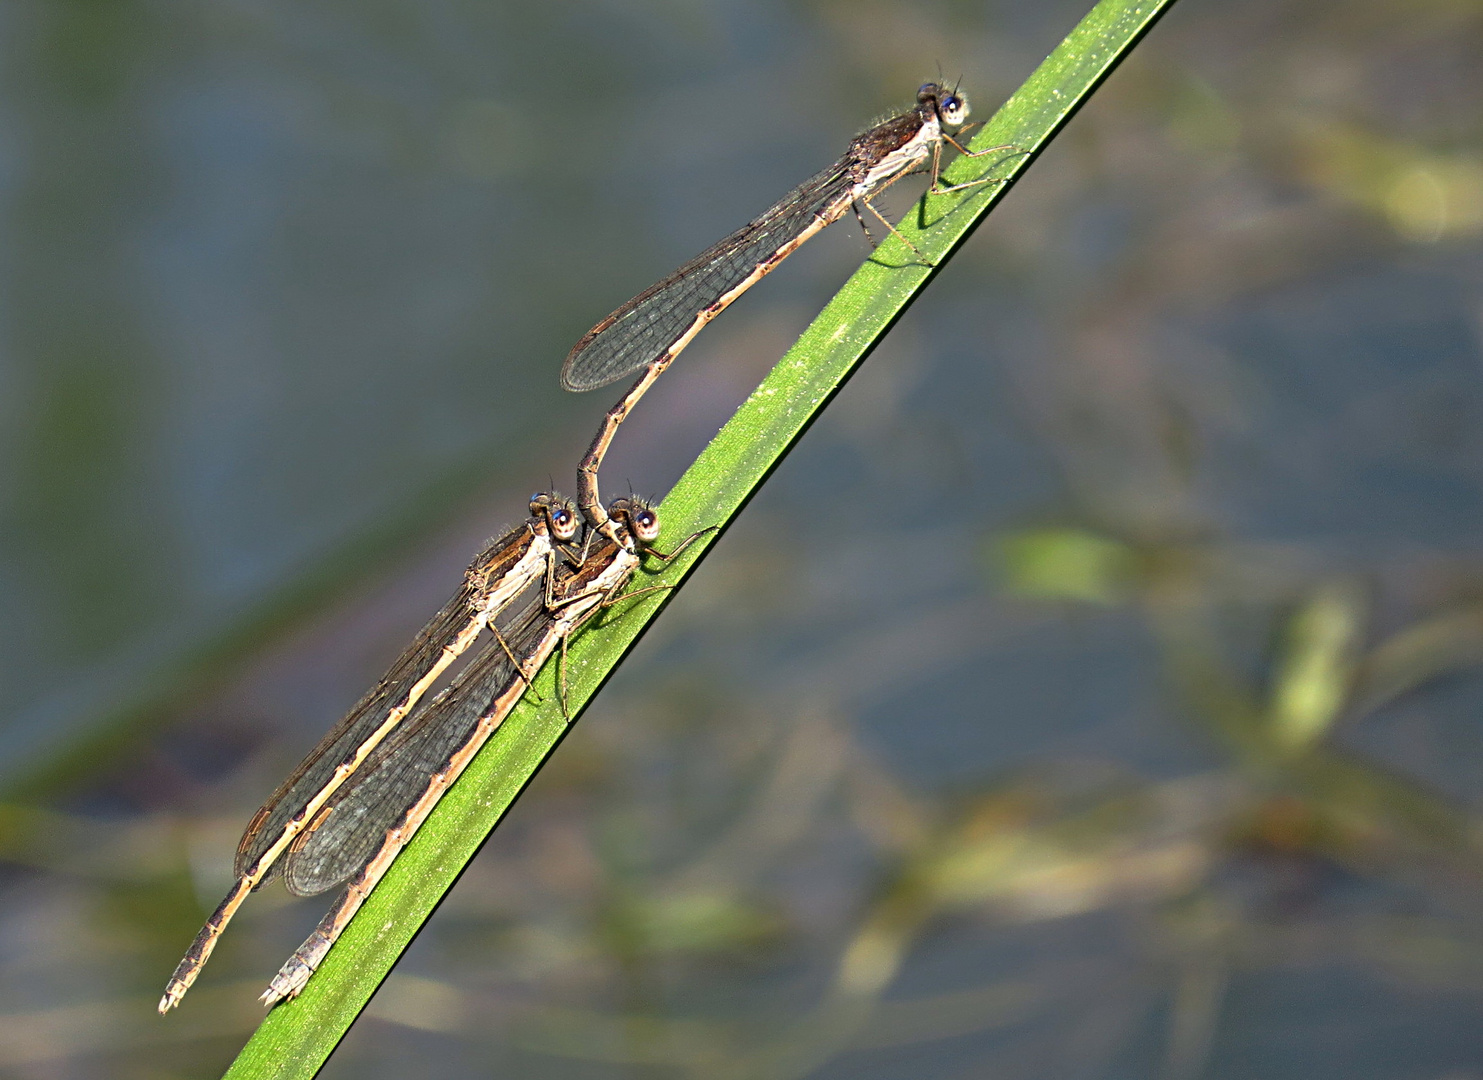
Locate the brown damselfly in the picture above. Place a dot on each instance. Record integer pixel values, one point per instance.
(649, 331)
(359, 833)
(507, 567)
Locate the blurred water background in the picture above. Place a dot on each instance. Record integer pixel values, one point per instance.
(1093, 693)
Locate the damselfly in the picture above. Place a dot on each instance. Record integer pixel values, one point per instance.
(649, 331)
(505, 569)
(358, 834)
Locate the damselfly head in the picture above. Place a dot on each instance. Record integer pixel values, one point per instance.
(951, 106)
(638, 517)
(560, 513)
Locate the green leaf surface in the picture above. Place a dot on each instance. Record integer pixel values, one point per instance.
(296, 1038)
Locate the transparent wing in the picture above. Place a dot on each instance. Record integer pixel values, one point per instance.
(354, 825)
(373, 710)
(648, 325)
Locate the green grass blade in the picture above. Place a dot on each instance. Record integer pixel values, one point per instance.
(295, 1039)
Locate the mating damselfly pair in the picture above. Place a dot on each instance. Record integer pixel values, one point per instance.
(359, 797)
